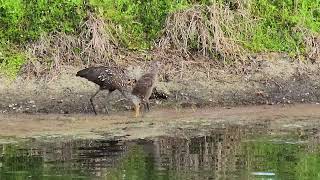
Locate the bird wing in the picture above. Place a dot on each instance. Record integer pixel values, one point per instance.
(142, 86)
(107, 73)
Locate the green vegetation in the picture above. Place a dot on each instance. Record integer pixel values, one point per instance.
(135, 165)
(20, 164)
(22, 21)
(10, 61)
(286, 160)
(278, 24)
(137, 23)
(254, 25)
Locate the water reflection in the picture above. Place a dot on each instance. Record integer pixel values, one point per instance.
(232, 152)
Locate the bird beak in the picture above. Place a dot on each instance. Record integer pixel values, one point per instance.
(137, 110)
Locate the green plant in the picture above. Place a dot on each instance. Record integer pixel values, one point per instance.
(276, 24)
(137, 23)
(11, 60)
(25, 20)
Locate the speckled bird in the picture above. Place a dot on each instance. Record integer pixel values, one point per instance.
(110, 79)
(144, 87)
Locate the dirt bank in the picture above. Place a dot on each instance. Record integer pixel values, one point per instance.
(278, 118)
(269, 79)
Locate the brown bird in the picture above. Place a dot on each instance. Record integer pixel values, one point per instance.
(108, 78)
(144, 87)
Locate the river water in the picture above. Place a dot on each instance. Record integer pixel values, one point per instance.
(230, 152)
(224, 151)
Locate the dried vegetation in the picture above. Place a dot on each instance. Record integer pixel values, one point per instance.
(193, 40)
(94, 45)
(206, 30)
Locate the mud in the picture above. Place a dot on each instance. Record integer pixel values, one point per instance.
(175, 122)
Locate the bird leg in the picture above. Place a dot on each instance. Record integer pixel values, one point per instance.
(148, 105)
(145, 107)
(91, 101)
(137, 110)
(108, 95)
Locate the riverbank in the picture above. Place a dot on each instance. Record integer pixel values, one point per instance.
(300, 119)
(197, 83)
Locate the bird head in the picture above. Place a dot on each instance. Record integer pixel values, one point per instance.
(136, 101)
(137, 104)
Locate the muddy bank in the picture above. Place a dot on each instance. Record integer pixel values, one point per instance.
(268, 80)
(181, 122)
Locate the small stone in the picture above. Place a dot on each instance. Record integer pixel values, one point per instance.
(31, 102)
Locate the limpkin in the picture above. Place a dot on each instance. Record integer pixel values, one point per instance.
(144, 87)
(108, 78)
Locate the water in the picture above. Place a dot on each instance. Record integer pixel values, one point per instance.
(228, 152)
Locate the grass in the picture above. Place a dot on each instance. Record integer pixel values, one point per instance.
(221, 29)
(11, 62)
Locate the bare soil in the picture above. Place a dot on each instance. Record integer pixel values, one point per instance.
(197, 83)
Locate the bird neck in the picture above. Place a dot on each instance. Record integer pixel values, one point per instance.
(154, 71)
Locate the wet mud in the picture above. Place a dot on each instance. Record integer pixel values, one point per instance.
(159, 122)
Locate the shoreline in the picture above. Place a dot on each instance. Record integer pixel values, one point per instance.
(159, 122)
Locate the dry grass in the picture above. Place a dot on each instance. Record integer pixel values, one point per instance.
(94, 45)
(190, 40)
(98, 43)
(312, 42)
(205, 29)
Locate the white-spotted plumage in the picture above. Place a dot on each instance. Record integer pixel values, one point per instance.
(108, 78)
